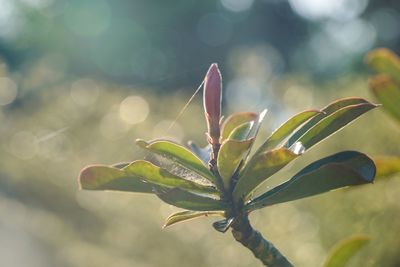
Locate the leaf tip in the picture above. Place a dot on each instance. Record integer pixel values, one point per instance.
(262, 115)
(141, 143)
(223, 225)
(86, 177)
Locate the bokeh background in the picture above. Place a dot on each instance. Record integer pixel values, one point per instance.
(80, 80)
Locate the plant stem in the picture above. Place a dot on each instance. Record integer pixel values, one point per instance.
(262, 249)
(212, 164)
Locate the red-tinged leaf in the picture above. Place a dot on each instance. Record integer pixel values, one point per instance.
(260, 168)
(212, 98)
(101, 177)
(384, 61)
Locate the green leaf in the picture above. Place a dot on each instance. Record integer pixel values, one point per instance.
(333, 123)
(287, 128)
(156, 175)
(223, 225)
(261, 167)
(325, 112)
(201, 153)
(121, 165)
(230, 156)
(387, 165)
(354, 160)
(179, 154)
(344, 250)
(189, 215)
(257, 124)
(235, 120)
(388, 93)
(100, 177)
(339, 170)
(186, 200)
(384, 61)
(241, 132)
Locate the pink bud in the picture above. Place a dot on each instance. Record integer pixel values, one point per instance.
(212, 102)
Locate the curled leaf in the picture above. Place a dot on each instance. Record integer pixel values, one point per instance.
(241, 132)
(189, 215)
(235, 120)
(223, 225)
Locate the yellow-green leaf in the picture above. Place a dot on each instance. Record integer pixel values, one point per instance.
(261, 167)
(230, 155)
(101, 177)
(387, 165)
(156, 175)
(384, 61)
(241, 132)
(180, 154)
(388, 93)
(333, 123)
(235, 120)
(344, 250)
(287, 128)
(325, 112)
(186, 200)
(189, 215)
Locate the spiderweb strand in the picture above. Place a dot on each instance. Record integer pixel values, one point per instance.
(184, 108)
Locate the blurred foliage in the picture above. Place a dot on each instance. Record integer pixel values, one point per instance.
(386, 85)
(153, 42)
(344, 250)
(386, 88)
(46, 141)
(78, 84)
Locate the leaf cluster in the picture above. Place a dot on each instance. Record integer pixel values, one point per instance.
(182, 176)
(385, 85)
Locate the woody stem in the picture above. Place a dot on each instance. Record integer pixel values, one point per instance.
(262, 249)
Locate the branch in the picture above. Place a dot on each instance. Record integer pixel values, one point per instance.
(262, 249)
